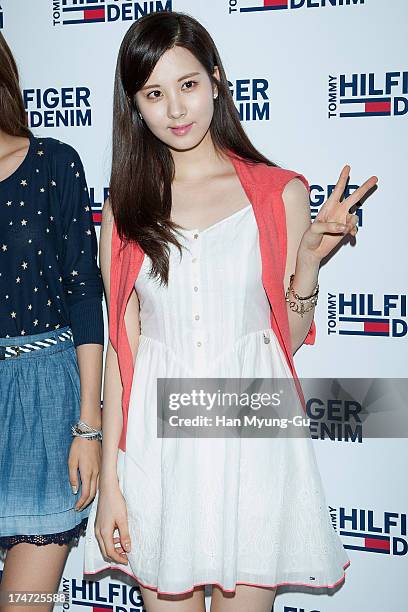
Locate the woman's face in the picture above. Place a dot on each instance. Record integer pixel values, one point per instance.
(177, 102)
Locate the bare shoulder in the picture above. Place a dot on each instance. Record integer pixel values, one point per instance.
(295, 193)
(297, 206)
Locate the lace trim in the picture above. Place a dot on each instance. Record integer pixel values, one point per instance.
(63, 537)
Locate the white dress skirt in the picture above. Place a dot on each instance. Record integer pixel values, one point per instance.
(224, 510)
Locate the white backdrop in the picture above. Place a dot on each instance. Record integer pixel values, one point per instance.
(319, 83)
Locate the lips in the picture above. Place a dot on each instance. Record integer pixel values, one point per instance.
(181, 130)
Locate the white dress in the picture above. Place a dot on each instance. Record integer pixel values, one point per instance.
(216, 510)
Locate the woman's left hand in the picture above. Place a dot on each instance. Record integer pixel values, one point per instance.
(85, 456)
(324, 233)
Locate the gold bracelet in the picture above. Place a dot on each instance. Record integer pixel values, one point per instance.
(299, 297)
(295, 306)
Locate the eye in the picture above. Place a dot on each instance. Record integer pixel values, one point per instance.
(155, 91)
(191, 83)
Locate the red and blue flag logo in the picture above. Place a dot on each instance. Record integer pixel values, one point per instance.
(80, 14)
(263, 5)
(366, 542)
(252, 6)
(363, 326)
(365, 107)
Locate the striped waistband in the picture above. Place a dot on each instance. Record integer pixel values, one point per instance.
(13, 351)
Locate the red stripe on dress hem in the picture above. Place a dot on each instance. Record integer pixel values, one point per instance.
(315, 586)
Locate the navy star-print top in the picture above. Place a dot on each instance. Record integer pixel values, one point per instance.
(49, 276)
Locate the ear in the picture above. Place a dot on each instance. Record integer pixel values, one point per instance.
(216, 74)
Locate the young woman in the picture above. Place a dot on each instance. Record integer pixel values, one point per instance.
(51, 344)
(244, 515)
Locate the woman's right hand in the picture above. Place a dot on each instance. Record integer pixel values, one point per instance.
(111, 515)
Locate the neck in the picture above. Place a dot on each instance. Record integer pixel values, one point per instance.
(7, 141)
(197, 163)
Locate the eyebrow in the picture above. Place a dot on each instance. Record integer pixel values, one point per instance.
(186, 76)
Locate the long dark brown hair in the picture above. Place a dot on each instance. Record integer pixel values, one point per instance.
(13, 119)
(142, 165)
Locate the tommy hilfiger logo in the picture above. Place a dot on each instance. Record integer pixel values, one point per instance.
(73, 12)
(255, 6)
(368, 94)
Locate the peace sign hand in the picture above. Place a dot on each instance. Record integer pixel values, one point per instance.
(333, 221)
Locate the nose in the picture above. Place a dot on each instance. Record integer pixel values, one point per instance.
(175, 107)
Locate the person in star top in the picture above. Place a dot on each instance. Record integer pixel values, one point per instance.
(51, 345)
(200, 238)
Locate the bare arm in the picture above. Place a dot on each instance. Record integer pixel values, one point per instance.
(296, 200)
(112, 418)
(90, 370)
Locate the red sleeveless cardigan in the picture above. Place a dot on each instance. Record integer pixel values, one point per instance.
(263, 186)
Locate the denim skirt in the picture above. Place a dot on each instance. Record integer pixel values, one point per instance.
(39, 401)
